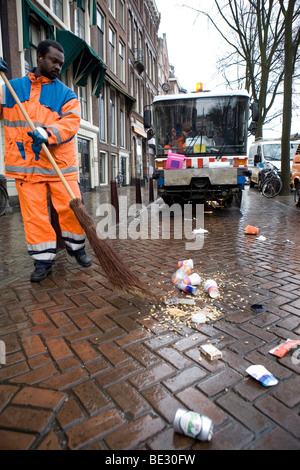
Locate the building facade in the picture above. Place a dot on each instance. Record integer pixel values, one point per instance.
(112, 62)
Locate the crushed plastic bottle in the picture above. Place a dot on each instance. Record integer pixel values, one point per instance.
(187, 288)
(192, 280)
(186, 262)
(181, 273)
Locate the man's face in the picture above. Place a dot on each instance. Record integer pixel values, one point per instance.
(51, 64)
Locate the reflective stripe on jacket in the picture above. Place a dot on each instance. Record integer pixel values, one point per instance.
(52, 105)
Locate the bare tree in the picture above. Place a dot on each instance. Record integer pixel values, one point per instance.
(257, 41)
(291, 45)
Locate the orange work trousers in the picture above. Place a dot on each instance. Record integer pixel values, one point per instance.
(39, 233)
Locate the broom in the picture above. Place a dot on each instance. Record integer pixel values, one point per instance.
(116, 270)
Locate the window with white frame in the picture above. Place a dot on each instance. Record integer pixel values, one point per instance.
(112, 50)
(137, 94)
(58, 8)
(135, 36)
(141, 96)
(112, 6)
(36, 34)
(114, 166)
(132, 83)
(103, 168)
(113, 120)
(129, 32)
(101, 34)
(80, 20)
(122, 61)
(102, 116)
(82, 96)
(122, 13)
(122, 124)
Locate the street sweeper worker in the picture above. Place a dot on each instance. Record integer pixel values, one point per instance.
(55, 111)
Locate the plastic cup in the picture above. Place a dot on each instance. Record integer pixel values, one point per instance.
(211, 288)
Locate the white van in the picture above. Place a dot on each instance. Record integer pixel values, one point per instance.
(265, 151)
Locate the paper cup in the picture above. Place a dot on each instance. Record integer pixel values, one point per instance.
(210, 286)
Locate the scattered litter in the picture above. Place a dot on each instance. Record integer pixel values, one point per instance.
(181, 273)
(198, 318)
(186, 262)
(192, 280)
(261, 374)
(261, 238)
(289, 241)
(251, 230)
(211, 352)
(211, 288)
(176, 300)
(284, 347)
(257, 308)
(176, 312)
(187, 288)
(211, 313)
(193, 425)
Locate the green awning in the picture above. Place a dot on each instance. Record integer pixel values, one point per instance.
(84, 59)
(27, 9)
(130, 100)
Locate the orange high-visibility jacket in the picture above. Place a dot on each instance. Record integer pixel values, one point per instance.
(55, 107)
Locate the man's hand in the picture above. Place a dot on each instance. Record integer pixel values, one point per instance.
(3, 65)
(39, 136)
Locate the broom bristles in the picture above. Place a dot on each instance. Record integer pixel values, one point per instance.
(116, 270)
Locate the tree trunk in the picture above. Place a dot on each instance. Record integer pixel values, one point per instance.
(287, 99)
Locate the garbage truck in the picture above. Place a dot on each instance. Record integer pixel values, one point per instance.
(201, 146)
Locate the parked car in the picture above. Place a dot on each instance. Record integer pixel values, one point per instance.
(262, 152)
(296, 176)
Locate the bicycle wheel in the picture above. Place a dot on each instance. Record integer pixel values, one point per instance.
(3, 200)
(297, 195)
(271, 187)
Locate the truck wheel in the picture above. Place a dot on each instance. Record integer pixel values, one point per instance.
(237, 199)
(259, 184)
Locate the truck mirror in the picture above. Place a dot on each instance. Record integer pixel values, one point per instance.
(253, 128)
(147, 118)
(255, 111)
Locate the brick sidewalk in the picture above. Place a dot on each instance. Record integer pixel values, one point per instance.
(89, 368)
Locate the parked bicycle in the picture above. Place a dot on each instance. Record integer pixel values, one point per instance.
(3, 199)
(271, 182)
(120, 179)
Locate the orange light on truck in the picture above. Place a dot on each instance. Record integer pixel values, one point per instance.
(199, 87)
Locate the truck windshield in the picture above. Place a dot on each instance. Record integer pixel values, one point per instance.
(214, 126)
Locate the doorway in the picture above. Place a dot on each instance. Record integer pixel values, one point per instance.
(124, 170)
(84, 165)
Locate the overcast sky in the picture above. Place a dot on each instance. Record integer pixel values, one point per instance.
(194, 47)
(193, 43)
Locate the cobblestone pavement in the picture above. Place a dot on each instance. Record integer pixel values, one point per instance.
(90, 368)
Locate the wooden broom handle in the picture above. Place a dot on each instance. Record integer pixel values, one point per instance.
(32, 127)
